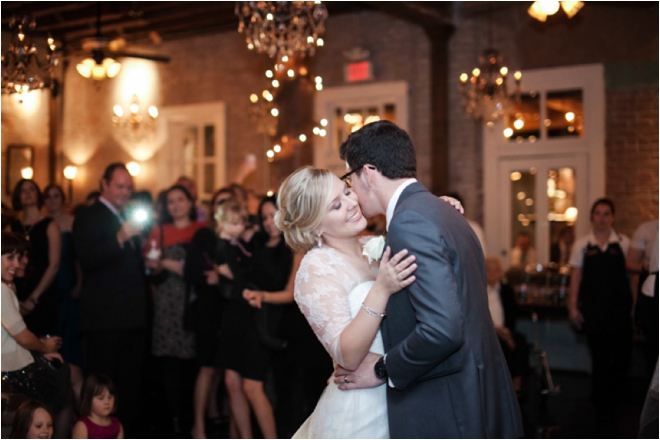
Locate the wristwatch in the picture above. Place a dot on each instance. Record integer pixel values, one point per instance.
(379, 369)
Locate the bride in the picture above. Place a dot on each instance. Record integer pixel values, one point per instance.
(341, 293)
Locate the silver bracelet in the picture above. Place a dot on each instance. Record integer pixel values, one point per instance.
(372, 312)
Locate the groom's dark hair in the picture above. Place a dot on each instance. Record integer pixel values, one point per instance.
(383, 145)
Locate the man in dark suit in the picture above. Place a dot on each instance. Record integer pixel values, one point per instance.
(113, 297)
(445, 372)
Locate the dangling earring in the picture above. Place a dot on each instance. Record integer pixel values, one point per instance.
(319, 240)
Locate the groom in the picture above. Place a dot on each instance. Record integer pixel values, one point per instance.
(445, 372)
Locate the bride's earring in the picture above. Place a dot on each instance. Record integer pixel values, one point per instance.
(319, 240)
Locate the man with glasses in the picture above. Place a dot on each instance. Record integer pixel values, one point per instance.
(445, 372)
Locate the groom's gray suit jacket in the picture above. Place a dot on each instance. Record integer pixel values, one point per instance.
(443, 357)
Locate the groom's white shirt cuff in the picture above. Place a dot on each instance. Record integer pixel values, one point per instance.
(395, 198)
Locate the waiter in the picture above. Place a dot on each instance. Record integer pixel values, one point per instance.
(600, 303)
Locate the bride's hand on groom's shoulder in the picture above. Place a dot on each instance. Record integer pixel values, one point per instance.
(362, 377)
(396, 273)
(453, 202)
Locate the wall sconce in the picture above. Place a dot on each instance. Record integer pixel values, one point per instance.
(133, 168)
(70, 172)
(137, 126)
(27, 173)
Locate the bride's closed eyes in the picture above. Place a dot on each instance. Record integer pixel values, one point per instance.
(336, 203)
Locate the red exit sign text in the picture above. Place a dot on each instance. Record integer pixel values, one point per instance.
(361, 71)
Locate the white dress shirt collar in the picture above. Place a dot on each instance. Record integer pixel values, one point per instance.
(395, 198)
(110, 206)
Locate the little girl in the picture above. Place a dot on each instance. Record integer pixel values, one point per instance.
(97, 403)
(231, 220)
(33, 419)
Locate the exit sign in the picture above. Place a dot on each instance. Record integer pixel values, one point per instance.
(361, 71)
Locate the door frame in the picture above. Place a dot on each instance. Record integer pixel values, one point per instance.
(353, 96)
(591, 148)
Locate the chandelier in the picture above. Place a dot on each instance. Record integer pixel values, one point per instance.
(137, 126)
(22, 70)
(541, 9)
(282, 29)
(485, 94)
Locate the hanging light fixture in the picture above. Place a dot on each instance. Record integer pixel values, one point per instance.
(137, 126)
(485, 94)
(98, 67)
(22, 70)
(541, 9)
(282, 29)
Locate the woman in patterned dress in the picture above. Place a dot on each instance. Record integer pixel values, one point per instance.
(165, 256)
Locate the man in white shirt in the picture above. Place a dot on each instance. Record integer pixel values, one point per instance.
(523, 253)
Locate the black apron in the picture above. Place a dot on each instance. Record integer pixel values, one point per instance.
(605, 299)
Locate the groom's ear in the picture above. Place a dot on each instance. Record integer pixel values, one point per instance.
(370, 172)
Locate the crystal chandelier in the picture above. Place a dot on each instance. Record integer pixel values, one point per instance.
(22, 70)
(135, 127)
(282, 29)
(485, 94)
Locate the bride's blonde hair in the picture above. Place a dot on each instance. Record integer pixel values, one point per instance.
(302, 199)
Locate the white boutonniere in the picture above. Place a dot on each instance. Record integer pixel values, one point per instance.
(373, 250)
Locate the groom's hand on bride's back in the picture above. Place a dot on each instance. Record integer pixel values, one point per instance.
(362, 377)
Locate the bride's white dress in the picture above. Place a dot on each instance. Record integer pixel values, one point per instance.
(330, 293)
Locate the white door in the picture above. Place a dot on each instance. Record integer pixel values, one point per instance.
(194, 147)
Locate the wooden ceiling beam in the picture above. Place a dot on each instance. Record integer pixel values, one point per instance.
(80, 22)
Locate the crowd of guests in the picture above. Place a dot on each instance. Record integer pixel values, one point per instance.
(166, 300)
(157, 302)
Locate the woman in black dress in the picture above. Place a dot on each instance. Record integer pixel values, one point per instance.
(36, 291)
(204, 306)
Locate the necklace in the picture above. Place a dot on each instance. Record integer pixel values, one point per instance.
(27, 230)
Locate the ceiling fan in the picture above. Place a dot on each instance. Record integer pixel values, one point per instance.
(100, 64)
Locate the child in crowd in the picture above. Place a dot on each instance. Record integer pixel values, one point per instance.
(33, 419)
(232, 219)
(97, 403)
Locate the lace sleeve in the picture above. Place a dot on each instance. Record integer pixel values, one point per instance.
(321, 292)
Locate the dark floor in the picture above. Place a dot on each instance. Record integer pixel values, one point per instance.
(567, 414)
(571, 414)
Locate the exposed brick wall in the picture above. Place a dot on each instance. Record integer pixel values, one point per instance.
(632, 155)
(220, 68)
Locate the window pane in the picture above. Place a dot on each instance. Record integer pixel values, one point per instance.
(561, 213)
(523, 123)
(390, 113)
(190, 144)
(564, 114)
(209, 178)
(209, 141)
(523, 217)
